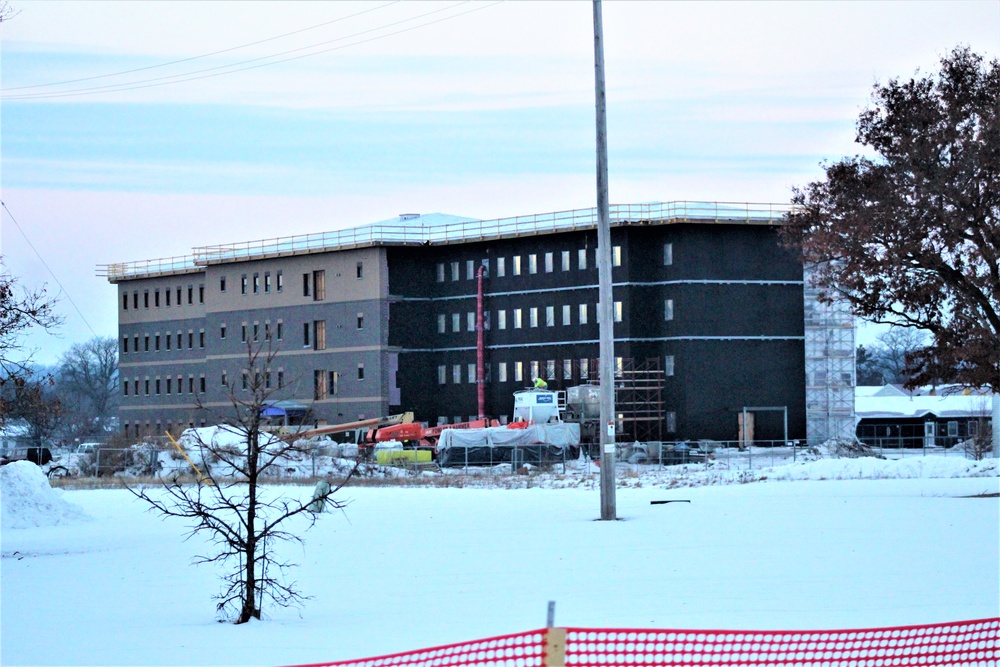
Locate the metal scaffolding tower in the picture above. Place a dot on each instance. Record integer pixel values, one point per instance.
(639, 412)
(830, 371)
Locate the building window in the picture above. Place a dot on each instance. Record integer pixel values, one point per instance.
(442, 323)
(361, 371)
(502, 371)
(225, 379)
(581, 259)
(360, 270)
(532, 263)
(166, 296)
(222, 331)
(157, 386)
(156, 299)
(668, 365)
(456, 322)
(201, 294)
(565, 260)
(319, 385)
(135, 300)
(166, 339)
(334, 387)
(256, 331)
(124, 344)
(305, 285)
(191, 339)
(584, 370)
(442, 374)
(256, 283)
(279, 333)
(279, 281)
(470, 321)
(617, 311)
(567, 311)
(454, 271)
(281, 379)
(319, 285)
(533, 317)
(201, 338)
(243, 332)
(567, 369)
(190, 384)
(550, 369)
(534, 370)
(267, 330)
(179, 300)
(668, 309)
(616, 255)
(517, 265)
(583, 313)
(267, 281)
(145, 299)
(470, 269)
(549, 262)
(222, 283)
(518, 371)
(124, 301)
(267, 380)
(170, 386)
(619, 367)
(319, 335)
(361, 320)
(550, 316)
(156, 338)
(125, 388)
(501, 319)
(517, 318)
(668, 254)
(456, 374)
(471, 370)
(305, 335)
(440, 272)
(146, 386)
(501, 267)
(952, 429)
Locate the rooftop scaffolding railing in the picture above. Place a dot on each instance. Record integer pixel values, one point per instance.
(413, 229)
(148, 267)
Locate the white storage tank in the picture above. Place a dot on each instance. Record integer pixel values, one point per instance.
(537, 405)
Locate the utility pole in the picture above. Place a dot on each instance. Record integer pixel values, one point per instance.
(605, 298)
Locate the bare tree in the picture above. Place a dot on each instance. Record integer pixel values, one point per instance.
(20, 310)
(895, 351)
(87, 380)
(7, 11)
(243, 519)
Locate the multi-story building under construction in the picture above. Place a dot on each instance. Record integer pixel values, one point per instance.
(382, 318)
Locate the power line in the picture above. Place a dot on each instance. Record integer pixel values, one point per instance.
(51, 273)
(204, 55)
(190, 76)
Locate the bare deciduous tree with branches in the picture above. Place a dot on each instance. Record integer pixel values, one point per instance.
(243, 518)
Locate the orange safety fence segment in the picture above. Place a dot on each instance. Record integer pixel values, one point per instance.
(963, 643)
(960, 644)
(524, 649)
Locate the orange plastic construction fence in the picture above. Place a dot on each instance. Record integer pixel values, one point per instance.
(965, 643)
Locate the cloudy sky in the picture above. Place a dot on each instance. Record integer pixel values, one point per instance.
(136, 130)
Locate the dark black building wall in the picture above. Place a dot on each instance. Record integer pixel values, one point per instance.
(726, 282)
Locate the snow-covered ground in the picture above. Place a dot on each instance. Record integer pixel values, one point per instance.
(812, 545)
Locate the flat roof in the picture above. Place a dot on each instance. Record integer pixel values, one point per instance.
(441, 228)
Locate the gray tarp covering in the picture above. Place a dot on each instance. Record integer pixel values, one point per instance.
(548, 443)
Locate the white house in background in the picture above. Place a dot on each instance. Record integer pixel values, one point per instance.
(15, 433)
(941, 416)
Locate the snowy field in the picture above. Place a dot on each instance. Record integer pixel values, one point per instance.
(827, 544)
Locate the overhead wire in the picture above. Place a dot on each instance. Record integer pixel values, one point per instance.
(233, 68)
(204, 55)
(47, 268)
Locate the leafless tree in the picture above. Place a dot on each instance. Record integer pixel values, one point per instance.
(87, 381)
(20, 310)
(31, 397)
(7, 11)
(244, 519)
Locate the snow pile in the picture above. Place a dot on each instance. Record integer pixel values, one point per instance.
(922, 467)
(28, 501)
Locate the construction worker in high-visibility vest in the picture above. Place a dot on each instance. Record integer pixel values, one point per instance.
(540, 383)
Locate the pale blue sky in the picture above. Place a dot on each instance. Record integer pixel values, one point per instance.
(487, 112)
